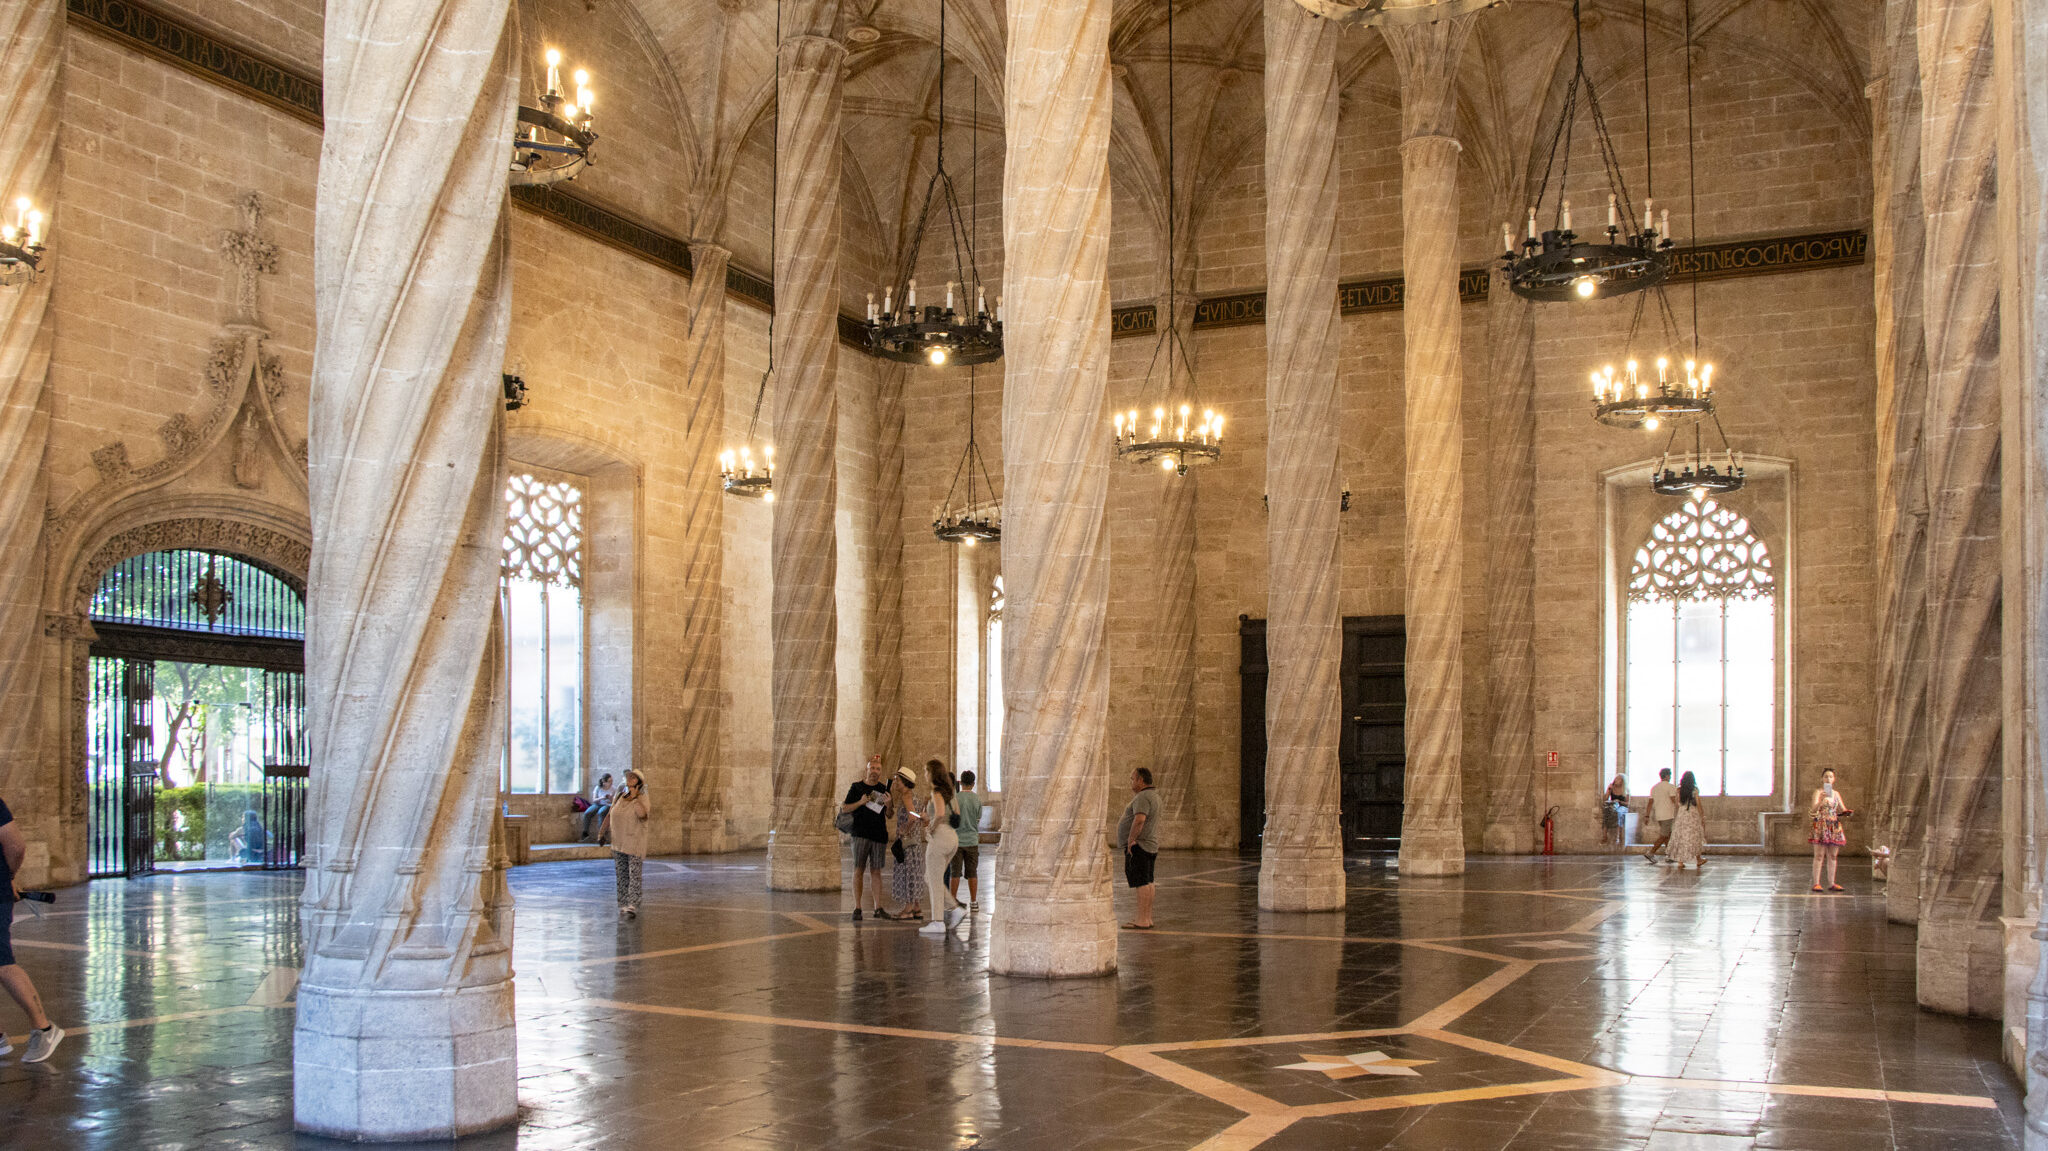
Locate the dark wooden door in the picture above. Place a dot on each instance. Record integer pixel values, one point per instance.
(1371, 756)
(1251, 796)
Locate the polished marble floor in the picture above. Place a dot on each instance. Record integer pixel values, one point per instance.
(1580, 1003)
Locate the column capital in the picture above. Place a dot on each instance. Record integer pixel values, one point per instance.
(811, 53)
(1426, 58)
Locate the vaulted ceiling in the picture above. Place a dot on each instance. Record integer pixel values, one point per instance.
(715, 65)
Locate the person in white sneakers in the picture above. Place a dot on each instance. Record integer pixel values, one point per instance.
(43, 1040)
(942, 817)
(1663, 809)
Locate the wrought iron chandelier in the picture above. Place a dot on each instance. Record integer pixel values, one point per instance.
(21, 245)
(971, 519)
(1560, 264)
(900, 330)
(740, 470)
(1173, 437)
(552, 142)
(1696, 474)
(1682, 394)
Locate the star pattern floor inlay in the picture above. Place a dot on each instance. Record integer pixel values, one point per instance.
(1533, 1004)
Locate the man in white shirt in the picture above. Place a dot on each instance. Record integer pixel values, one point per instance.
(1663, 809)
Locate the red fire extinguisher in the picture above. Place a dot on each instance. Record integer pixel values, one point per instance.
(1549, 827)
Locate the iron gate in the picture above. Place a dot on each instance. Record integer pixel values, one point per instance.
(138, 766)
(285, 768)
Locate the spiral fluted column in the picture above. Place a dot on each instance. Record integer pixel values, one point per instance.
(1426, 55)
(31, 42)
(405, 1022)
(2027, 63)
(1961, 946)
(885, 581)
(1511, 568)
(1053, 912)
(1173, 663)
(706, 777)
(803, 851)
(1897, 242)
(1301, 860)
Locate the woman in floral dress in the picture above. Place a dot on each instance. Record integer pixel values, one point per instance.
(1689, 830)
(906, 880)
(1828, 808)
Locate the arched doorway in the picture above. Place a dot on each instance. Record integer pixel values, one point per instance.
(196, 750)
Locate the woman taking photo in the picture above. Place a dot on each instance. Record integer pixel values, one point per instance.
(1689, 831)
(942, 819)
(906, 846)
(627, 823)
(1828, 809)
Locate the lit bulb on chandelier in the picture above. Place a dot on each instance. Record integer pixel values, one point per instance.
(1650, 424)
(1585, 286)
(1166, 463)
(937, 356)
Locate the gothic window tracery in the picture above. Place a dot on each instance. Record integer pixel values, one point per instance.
(1701, 650)
(541, 593)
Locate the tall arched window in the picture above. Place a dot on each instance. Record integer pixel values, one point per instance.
(542, 590)
(992, 696)
(1701, 689)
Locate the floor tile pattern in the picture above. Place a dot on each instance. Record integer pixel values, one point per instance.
(1534, 1004)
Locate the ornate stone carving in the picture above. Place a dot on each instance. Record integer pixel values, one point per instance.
(248, 462)
(252, 256)
(179, 436)
(284, 556)
(111, 460)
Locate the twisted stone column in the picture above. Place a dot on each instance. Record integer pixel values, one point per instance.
(885, 582)
(1173, 663)
(803, 850)
(405, 1025)
(2027, 26)
(1511, 567)
(706, 777)
(1426, 55)
(31, 43)
(1961, 945)
(1053, 911)
(1897, 239)
(1301, 860)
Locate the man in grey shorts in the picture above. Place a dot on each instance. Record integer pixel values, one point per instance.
(43, 1040)
(1663, 809)
(868, 800)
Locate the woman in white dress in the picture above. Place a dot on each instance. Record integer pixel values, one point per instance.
(942, 820)
(1689, 830)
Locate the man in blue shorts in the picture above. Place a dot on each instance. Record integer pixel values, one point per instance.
(42, 1043)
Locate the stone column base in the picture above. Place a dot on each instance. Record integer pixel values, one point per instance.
(2021, 955)
(1902, 887)
(401, 1066)
(1301, 884)
(1961, 965)
(807, 863)
(1432, 851)
(1051, 939)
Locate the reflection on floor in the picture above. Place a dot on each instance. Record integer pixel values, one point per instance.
(1574, 1003)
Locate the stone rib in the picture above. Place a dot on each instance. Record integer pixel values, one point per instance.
(1511, 570)
(885, 581)
(803, 853)
(1432, 835)
(706, 781)
(1301, 863)
(1053, 887)
(30, 47)
(1960, 945)
(406, 919)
